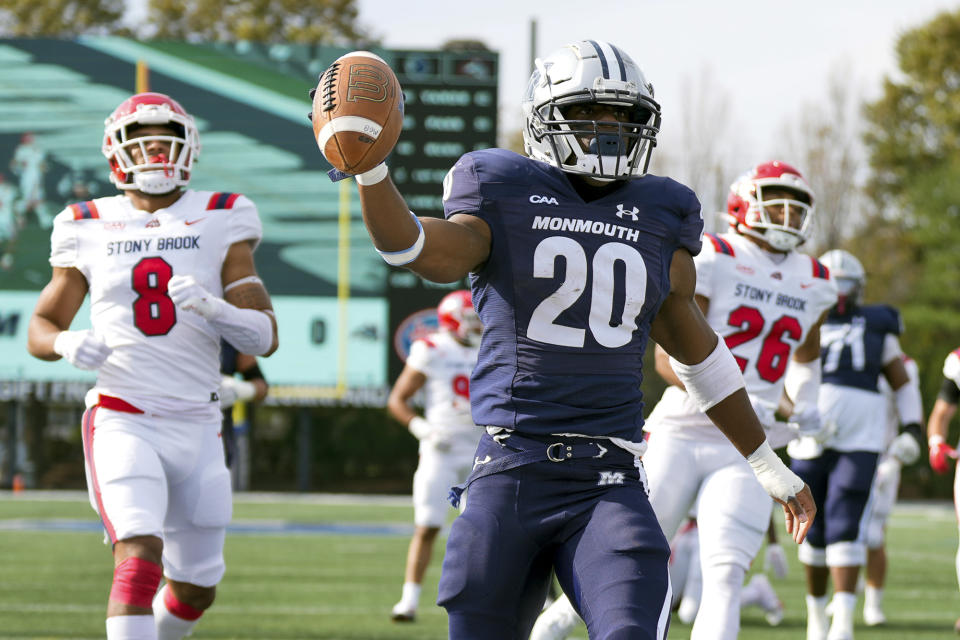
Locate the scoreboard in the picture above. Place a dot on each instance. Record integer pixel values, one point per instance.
(451, 108)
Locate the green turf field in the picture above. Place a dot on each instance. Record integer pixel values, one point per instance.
(331, 567)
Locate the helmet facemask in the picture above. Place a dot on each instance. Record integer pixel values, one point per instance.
(792, 228)
(456, 315)
(470, 330)
(604, 150)
(849, 276)
(772, 203)
(158, 174)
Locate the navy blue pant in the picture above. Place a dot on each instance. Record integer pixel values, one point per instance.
(840, 482)
(589, 519)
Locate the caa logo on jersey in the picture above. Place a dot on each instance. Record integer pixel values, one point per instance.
(535, 199)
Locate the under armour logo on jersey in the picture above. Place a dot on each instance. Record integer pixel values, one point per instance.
(623, 212)
(152, 223)
(611, 477)
(535, 199)
(477, 461)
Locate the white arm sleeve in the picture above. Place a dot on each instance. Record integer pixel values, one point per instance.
(891, 348)
(802, 382)
(249, 330)
(909, 403)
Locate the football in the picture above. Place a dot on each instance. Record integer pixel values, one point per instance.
(357, 112)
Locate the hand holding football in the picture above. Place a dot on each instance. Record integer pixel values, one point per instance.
(357, 112)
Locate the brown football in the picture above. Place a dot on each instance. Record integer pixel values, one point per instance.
(357, 112)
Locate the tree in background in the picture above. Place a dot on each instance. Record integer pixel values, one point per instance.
(328, 22)
(706, 161)
(910, 242)
(913, 137)
(829, 153)
(61, 18)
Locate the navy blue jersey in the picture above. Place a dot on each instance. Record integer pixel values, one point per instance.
(851, 345)
(568, 293)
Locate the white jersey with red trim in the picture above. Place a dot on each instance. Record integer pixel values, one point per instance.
(164, 359)
(763, 309)
(447, 364)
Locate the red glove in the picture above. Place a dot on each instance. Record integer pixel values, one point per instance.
(940, 455)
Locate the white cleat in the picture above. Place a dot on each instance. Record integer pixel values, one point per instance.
(402, 612)
(772, 607)
(687, 612)
(557, 622)
(874, 616)
(817, 623)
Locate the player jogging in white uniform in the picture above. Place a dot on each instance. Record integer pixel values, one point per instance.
(169, 271)
(440, 364)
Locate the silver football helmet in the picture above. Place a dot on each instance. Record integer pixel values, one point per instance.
(849, 275)
(590, 71)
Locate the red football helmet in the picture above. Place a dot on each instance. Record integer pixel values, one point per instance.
(746, 205)
(456, 314)
(159, 174)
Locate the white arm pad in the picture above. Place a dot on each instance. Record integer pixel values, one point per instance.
(909, 403)
(419, 427)
(802, 382)
(712, 380)
(249, 330)
(406, 256)
(774, 476)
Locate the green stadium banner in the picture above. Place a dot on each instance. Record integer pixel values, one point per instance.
(338, 304)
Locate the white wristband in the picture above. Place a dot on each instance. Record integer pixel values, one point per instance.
(935, 440)
(375, 175)
(712, 380)
(774, 476)
(406, 256)
(419, 427)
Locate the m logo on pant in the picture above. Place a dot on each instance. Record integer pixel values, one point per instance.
(610, 477)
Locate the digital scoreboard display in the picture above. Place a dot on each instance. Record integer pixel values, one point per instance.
(451, 108)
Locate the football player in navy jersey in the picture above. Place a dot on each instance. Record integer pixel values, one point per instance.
(859, 343)
(576, 257)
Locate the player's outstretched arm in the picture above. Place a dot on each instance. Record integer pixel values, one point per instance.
(712, 377)
(435, 249)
